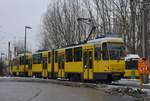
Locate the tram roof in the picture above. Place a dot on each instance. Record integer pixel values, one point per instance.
(26, 54)
(106, 39)
(96, 41)
(132, 56)
(45, 51)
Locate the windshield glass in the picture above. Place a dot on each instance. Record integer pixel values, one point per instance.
(132, 64)
(116, 51)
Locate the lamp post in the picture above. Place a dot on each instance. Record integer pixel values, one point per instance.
(25, 42)
(145, 32)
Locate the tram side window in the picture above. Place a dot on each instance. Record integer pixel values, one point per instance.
(105, 52)
(27, 60)
(30, 63)
(97, 53)
(21, 60)
(37, 58)
(56, 56)
(49, 57)
(78, 54)
(15, 63)
(69, 55)
(34, 59)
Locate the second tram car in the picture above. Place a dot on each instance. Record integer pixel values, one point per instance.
(14, 66)
(131, 69)
(24, 64)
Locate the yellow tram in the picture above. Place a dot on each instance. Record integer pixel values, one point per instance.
(24, 64)
(42, 64)
(14, 66)
(131, 66)
(99, 60)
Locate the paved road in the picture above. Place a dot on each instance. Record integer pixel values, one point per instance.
(28, 91)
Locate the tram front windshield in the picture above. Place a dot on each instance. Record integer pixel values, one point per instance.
(116, 51)
(132, 63)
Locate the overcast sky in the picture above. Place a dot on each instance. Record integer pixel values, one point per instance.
(14, 15)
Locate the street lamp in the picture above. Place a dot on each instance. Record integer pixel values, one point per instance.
(25, 42)
(145, 31)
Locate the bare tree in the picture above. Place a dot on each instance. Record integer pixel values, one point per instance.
(60, 26)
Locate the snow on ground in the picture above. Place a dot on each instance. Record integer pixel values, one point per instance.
(147, 84)
(129, 80)
(130, 87)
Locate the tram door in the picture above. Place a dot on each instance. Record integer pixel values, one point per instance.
(88, 64)
(45, 65)
(61, 65)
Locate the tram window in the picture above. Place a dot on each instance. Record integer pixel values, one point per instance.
(49, 57)
(105, 52)
(85, 59)
(97, 53)
(116, 51)
(37, 58)
(69, 55)
(56, 56)
(27, 60)
(22, 60)
(34, 59)
(78, 54)
(59, 62)
(30, 64)
(15, 62)
(132, 64)
(90, 59)
(63, 61)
